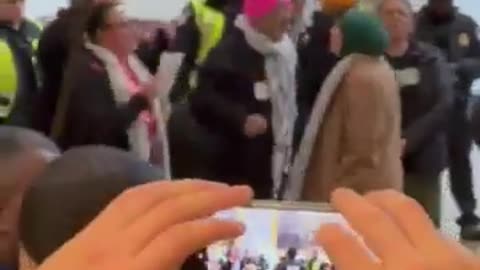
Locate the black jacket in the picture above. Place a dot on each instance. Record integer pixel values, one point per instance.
(425, 107)
(458, 38)
(222, 102)
(53, 52)
(187, 41)
(314, 64)
(19, 42)
(91, 116)
(149, 52)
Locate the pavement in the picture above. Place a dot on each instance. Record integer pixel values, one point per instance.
(450, 210)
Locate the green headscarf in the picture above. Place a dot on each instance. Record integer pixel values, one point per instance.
(362, 33)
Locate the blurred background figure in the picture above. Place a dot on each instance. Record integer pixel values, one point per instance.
(426, 90)
(246, 96)
(19, 84)
(315, 60)
(110, 97)
(291, 261)
(60, 37)
(353, 137)
(441, 24)
(23, 156)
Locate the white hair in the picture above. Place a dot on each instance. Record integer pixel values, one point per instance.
(406, 3)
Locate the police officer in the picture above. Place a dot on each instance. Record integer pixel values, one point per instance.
(456, 34)
(201, 27)
(18, 83)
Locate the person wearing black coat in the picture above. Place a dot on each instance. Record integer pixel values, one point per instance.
(233, 100)
(222, 103)
(315, 61)
(441, 24)
(59, 38)
(188, 41)
(426, 90)
(109, 128)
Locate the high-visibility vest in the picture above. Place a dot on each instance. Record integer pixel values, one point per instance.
(211, 25)
(8, 78)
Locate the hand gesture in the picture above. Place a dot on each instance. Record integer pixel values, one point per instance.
(255, 125)
(396, 229)
(151, 227)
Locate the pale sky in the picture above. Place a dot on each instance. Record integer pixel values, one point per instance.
(149, 9)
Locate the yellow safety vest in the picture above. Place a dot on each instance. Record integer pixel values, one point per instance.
(8, 78)
(211, 25)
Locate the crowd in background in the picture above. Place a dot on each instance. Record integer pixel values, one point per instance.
(292, 102)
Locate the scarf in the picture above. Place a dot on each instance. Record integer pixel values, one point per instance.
(138, 133)
(280, 65)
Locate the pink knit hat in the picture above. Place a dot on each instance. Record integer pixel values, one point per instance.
(255, 9)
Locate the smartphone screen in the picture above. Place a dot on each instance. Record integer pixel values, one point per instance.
(276, 238)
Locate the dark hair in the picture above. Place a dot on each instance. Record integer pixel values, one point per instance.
(72, 191)
(291, 253)
(97, 19)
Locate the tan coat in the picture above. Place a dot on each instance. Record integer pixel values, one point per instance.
(359, 143)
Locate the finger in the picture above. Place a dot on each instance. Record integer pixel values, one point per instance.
(410, 217)
(136, 201)
(378, 230)
(183, 240)
(442, 252)
(344, 249)
(179, 210)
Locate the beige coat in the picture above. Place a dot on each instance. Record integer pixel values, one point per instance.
(359, 142)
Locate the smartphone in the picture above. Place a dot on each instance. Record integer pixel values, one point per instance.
(279, 236)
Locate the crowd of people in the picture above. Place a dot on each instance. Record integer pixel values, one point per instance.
(286, 101)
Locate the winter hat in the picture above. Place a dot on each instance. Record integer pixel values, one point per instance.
(336, 7)
(256, 9)
(363, 33)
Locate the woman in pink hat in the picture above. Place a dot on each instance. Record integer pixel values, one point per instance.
(246, 95)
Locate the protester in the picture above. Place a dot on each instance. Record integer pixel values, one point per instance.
(426, 91)
(353, 138)
(60, 37)
(441, 24)
(23, 156)
(48, 222)
(111, 98)
(315, 60)
(246, 95)
(19, 83)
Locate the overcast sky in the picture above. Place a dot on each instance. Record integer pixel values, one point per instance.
(167, 9)
(150, 9)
